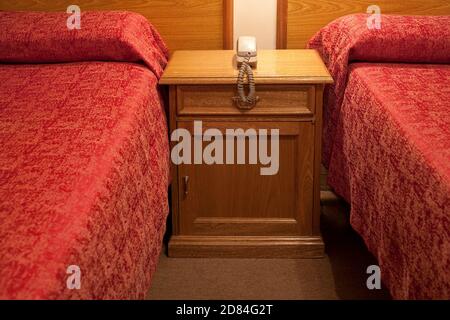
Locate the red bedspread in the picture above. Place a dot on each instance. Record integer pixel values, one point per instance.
(83, 171)
(406, 39)
(388, 145)
(394, 167)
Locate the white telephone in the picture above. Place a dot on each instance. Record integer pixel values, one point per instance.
(246, 50)
(246, 57)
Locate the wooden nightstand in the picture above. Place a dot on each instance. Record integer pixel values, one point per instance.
(231, 210)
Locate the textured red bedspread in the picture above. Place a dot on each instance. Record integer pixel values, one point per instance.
(387, 144)
(394, 166)
(83, 175)
(406, 39)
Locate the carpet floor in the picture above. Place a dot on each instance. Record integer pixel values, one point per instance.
(340, 275)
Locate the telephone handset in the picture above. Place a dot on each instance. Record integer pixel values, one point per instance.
(246, 58)
(246, 51)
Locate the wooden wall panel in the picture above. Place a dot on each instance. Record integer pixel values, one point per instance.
(305, 17)
(184, 24)
(282, 23)
(228, 24)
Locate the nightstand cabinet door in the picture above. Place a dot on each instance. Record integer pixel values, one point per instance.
(236, 200)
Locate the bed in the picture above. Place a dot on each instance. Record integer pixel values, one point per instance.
(387, 143)
(84, 155)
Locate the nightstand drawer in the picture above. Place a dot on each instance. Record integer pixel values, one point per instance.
(286, 100)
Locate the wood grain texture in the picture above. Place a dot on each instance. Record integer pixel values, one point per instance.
(317, 158)
(184, 24)
(240, 191)
(232, 210)
(282, 15)
(174, 208)
(306, 17)
(219, 67)
(228, 24)
(246, 247)
(293, 100)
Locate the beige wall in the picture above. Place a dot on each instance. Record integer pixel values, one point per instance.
(256, 18)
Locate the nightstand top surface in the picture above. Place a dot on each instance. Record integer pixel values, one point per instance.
(219, 67)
